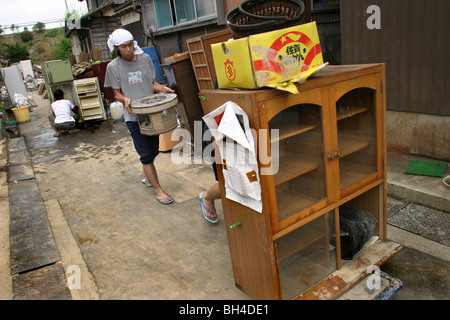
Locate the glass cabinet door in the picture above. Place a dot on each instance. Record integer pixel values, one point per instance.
(357, 145)
(297, 144)
(307, 255)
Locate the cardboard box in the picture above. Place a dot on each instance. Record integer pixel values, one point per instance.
(268, 59)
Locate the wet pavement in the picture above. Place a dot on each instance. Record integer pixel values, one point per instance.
(107, 227)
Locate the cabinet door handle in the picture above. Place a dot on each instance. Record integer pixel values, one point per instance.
(335, 155)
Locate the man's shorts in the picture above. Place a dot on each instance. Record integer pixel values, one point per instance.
(146, 146)
(61, 126)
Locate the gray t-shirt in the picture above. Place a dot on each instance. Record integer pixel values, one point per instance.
(133, 78)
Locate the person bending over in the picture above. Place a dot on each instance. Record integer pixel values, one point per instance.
(63, 116)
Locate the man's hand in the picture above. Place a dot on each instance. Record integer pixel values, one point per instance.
(120, 97)
(127, 103)
(161, 88)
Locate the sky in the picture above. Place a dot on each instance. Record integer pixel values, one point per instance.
(20, 12)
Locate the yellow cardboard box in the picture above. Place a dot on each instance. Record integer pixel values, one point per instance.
(275, 59)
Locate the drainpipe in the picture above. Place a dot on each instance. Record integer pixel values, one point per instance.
(152, 39)
(179, 41)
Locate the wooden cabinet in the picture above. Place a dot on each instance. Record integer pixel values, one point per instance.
(90, 101)
(181, 78)
(317, 150)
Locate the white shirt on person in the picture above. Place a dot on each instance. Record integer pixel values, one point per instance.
(61, 109)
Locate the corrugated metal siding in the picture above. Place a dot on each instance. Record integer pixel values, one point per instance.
(412, 41)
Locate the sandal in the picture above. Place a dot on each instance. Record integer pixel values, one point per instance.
(163, 200)
(148, 184)
(204, 208)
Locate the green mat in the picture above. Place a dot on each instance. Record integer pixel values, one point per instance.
(426, 168)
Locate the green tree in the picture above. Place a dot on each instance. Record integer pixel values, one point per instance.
(26, 35)
(39, 27)
(15, 52)
(63, 49)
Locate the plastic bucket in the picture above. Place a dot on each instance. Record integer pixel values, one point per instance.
(22, 114)
(116, 109)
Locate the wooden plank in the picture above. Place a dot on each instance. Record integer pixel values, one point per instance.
(32, 243)
(252, 262)
(350, 111)
(177, 57)
(47, 283)
(352, 271)
(349, 143)
(387, 287)
(293, 165)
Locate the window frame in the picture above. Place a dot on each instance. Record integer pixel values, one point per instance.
(188, 23)
(156, 15)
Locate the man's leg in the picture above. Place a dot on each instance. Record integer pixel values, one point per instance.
(51, 119)
(209, 197)
(152, 176)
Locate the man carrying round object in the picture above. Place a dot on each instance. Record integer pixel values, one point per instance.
(132, 76)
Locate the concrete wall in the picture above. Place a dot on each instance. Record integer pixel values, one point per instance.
(418, 134)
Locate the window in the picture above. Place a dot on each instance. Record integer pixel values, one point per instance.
(163, 13)
(174, 12)
(205, 7)
(184, 10)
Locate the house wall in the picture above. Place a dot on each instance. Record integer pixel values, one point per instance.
(176, 42)
(100, 29)
(412, 40)
(418, 134)
(173, 43)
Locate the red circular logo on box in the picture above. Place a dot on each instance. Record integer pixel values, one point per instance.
(230, 72)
